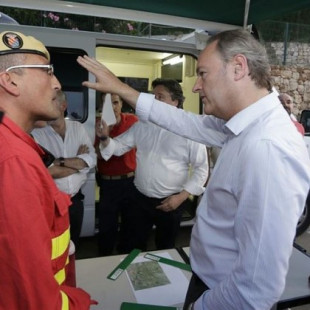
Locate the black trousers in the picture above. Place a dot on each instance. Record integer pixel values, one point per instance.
(195, 290)
(114, 202)
(76, 214)
(145, 215)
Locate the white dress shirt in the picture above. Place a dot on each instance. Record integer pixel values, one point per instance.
(246, 221)
(75, 136)
(163, 160)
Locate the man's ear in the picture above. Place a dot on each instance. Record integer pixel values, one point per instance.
(240, 67)
(8, 84)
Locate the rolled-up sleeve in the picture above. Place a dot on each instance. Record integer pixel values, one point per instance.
(119, 145)
(107, 152)
(199, 169)
(90, 158)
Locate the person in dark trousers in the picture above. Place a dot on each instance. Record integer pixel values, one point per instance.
(169, 169)
(115, 179)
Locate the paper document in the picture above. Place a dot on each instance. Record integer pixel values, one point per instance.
(107, 111)
(150, 279)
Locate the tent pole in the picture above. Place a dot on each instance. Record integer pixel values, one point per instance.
(246, 13)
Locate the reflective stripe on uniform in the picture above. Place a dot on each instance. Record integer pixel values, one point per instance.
(65, 301)
(60, 244)
(60, 276)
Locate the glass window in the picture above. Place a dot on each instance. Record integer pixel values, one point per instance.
(71, 75)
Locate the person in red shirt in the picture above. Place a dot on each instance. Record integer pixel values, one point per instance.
(34, 221)
(115, 179)
(287, 102)
(299, 127)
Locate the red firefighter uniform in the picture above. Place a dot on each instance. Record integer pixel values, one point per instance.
(34, 230)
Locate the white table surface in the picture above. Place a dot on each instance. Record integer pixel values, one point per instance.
(91, 275)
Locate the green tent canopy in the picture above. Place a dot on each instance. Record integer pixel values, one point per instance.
(221, 11)
(203, 14)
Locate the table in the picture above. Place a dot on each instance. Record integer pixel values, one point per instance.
(91, 275)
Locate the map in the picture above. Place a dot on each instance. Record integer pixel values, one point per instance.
(145, 275)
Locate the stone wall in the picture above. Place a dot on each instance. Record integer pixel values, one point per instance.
(293, 77)
(295, 81)
(296, 53)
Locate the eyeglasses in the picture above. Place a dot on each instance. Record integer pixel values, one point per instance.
(48, 68)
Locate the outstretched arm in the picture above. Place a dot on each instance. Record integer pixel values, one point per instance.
(106, 81)
(207, 131)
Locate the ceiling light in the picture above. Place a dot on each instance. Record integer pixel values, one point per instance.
(173, 61)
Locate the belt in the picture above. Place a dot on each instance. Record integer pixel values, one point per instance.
(79, 196)
(117, 177)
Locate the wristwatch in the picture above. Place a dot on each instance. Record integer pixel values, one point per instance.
(61, 161)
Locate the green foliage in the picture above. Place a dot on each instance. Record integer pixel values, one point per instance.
(88, 23)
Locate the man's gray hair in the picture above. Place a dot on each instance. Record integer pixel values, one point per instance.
(233, 42)
(285, 96)
(11, 60)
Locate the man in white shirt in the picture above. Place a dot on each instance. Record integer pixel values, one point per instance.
(162, 182)
(75, 155)
(246, 221)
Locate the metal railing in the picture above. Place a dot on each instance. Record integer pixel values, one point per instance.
(286, 43)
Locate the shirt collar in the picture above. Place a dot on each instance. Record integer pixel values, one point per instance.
(17, 131)
(248, 115)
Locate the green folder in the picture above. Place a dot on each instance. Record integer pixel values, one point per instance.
(168, 261)
(124, 264)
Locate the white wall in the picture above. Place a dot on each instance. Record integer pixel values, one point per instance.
(145, 67)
